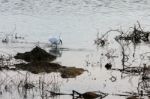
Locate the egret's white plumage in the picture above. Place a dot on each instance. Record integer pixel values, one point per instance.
(55, 41)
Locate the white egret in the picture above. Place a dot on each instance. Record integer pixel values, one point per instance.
(55, 41)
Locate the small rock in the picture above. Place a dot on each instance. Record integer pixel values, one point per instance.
(108, 66)
(90, 95)
(133, 97)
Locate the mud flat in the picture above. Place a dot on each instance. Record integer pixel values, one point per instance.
(40, 61)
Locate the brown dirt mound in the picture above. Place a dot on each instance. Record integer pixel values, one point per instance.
(37, 54)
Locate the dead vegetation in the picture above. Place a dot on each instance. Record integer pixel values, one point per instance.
(135, 36)
(44, 88)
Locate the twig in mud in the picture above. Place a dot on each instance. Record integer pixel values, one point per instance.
(56, 93)
(130, 70)
(101, 41)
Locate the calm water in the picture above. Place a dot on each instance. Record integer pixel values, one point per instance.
(77, 22)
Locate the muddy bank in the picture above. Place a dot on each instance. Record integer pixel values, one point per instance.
(40, 61)
(41, 67)
(37, 54)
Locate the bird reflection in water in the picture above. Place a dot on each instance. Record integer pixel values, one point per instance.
(56, 52)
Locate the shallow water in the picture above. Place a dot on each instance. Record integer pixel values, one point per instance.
(78, 22)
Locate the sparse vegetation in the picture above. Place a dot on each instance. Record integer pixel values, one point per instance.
(39, 61)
